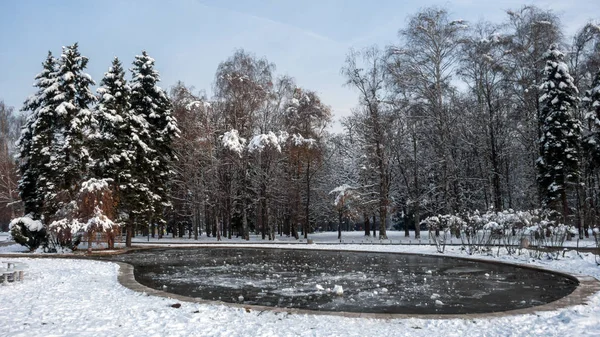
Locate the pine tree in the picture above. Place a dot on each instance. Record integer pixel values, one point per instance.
(154, 155)
(36, 141)
(560, 132)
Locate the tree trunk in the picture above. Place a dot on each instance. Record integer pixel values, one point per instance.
(245, 233)
(307, 221)
(340, 213)
(367, 224)
(417, 201)
(374, 227)
(129, 233)
(406, 220)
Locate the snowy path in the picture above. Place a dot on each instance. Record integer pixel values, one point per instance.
(83, 298)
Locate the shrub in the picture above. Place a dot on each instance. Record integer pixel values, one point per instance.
(28, 232)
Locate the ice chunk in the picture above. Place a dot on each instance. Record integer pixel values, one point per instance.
(338, 290)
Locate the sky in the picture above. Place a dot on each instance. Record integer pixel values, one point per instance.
(305, 39)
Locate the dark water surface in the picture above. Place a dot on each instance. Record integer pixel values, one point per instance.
(371, 282)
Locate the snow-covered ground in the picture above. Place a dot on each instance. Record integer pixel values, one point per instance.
(62, 297)
(4, 236)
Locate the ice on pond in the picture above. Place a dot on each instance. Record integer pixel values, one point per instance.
(344, 281)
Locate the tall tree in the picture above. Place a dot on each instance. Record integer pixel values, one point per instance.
(370, 81)
(307, 117)
(558, 164)
(424, 67)
(70, 150)
(74, 121)
(9, 127)
(483, 68)
(154, 155)
(36, 141)
(531, 31)
(592, 108)
(115, 138)
(243, 84)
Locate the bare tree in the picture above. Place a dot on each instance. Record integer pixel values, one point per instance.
(370, 83)
(9, 130)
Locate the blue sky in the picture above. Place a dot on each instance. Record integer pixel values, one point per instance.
(306, 39)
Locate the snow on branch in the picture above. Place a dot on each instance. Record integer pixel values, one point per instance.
(298, 140)
(342, 191)
(232, 141)
(259, 142)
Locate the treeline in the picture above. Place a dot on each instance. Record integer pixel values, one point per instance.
(457, 116)
(463, 116)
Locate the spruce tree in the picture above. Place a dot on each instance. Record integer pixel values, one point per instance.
(116, 139)
(558, 163)
(111, 149)
(74, 120)
(69, 149)
(154, 152)
(37, 140)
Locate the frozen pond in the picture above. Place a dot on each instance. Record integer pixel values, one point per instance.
(371, 282)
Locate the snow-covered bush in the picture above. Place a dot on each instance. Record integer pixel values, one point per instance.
(441, 226)
(91, 212)
(28, 232)
(548, 234)
(508, 229)
(472, 234)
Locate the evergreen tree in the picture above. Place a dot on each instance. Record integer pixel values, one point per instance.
(560, 132)
(74, 120)
(154, 154)
(113, 144)
(36, 141)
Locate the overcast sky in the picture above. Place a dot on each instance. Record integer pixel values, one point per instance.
(306, 39)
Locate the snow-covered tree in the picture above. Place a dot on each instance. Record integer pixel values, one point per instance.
(36, 140)
(54, 144)
(154, 155)
(592, 114)
(560, 132)
(70, 150)
(112, 131)
(369, 79)
(74, 120)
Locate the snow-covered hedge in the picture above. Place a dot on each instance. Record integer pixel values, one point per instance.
(510, 230)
